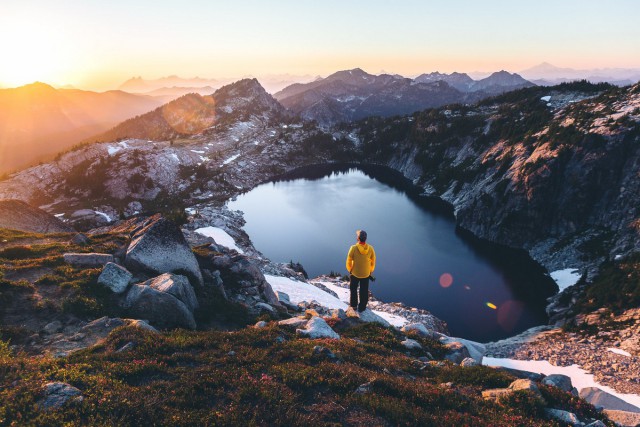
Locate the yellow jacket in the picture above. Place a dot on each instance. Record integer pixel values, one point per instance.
(361, 260)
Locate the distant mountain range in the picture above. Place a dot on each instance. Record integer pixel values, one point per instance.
(546, 74)
(38, 121)
(178, 86)
(354, 94)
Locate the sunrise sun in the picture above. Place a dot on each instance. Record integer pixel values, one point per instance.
(33, 51)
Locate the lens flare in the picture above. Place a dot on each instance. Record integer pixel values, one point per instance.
(509, 314)
(492, 306)
(467, 287)
(446, 280)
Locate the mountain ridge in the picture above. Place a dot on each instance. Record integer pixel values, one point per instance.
(37, 120)
(349, 95)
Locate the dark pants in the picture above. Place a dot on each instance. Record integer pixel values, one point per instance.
(364, 292)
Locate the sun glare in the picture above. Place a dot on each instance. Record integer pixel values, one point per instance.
(32, 52)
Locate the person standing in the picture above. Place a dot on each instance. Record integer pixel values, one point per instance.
(361, 261)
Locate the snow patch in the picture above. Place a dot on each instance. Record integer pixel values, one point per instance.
(302, 291)
(231, 159)
(220, 236)
(546, 98)
(620, 352)
(197, 151)
(579, 377)
(174, 156)
(565, 278)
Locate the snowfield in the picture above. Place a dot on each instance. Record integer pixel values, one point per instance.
(565, 278)
(579, 377)
(220, 236)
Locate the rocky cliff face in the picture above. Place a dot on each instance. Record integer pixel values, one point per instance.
(532, 169)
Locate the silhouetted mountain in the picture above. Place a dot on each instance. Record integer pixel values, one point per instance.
(140, 85)
(38, 120)
(500, 82)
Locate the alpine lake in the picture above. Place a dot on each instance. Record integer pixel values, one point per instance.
(483, 291)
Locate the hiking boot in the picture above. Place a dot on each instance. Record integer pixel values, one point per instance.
(351, 312)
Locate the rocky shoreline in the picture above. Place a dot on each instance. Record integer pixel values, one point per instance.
(612, 355)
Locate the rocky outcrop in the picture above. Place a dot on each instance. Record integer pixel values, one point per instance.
(602, 399)
(166, 301)
(57, 395)
(18, 215)
(160, 247)
(115, 277)
(460, 348)
(175, 285)
(560, 381)
(243, 280)
(87, 219)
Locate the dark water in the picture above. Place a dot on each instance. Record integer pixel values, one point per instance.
(484, 292)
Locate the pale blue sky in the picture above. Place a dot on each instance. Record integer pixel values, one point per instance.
(96, 43)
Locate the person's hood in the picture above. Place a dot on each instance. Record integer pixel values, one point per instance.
(364, 249)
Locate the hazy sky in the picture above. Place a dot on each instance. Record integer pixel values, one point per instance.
(101, 43)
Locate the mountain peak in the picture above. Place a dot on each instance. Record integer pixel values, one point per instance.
(347, 75)
(37, 86)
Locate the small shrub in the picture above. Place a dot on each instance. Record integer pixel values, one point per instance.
(524, 402)
(82, 306)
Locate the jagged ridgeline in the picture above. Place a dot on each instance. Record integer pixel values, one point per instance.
(193, 113)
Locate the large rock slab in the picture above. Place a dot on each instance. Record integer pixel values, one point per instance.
(563, 382)
(476, 350)
(159, 308)
(90, 260)
(602, 399)
(115, 277)
(18, 215)
(317, 328)
(176, 285)
(457, 352)
(160, 247)
(243, 279)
